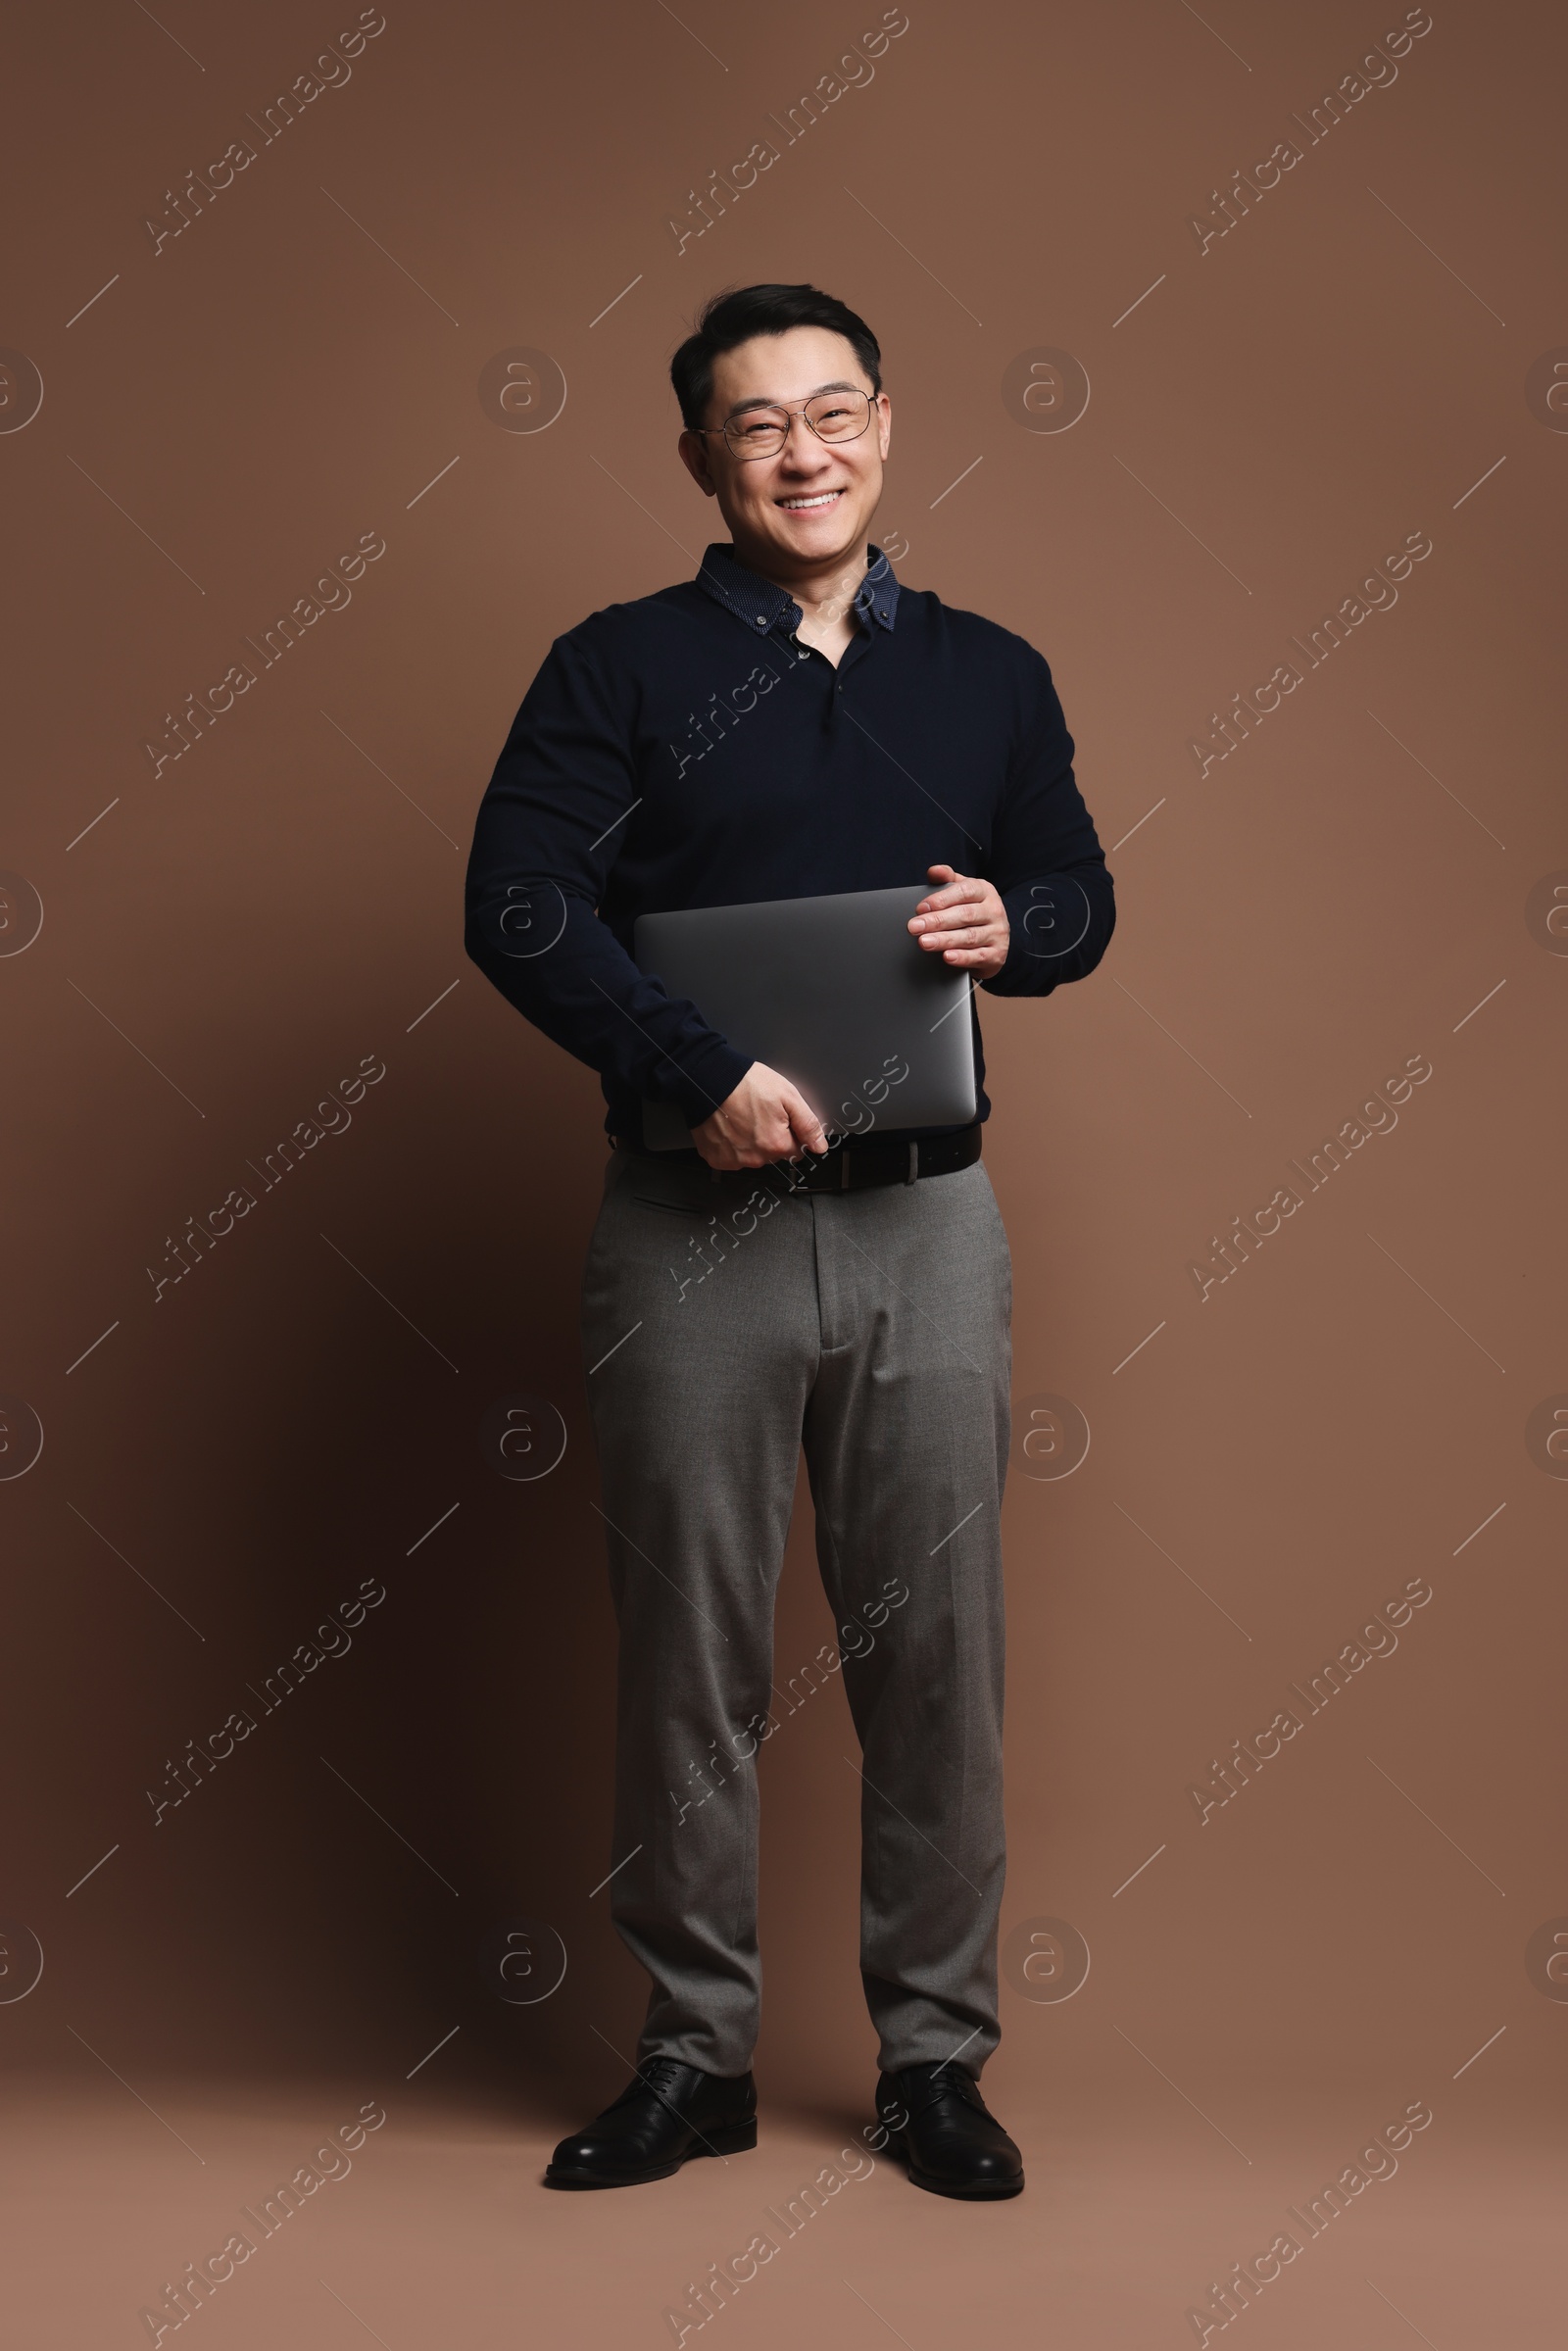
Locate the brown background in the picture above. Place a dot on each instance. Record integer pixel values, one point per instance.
(232, 934)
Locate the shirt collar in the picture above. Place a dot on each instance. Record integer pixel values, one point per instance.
(763, 606)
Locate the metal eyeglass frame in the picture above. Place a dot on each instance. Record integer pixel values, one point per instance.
(783, 408)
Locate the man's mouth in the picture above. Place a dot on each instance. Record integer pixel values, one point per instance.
(806, 506)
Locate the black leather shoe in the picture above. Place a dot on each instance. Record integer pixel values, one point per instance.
(936, 2119)
(666, 2113)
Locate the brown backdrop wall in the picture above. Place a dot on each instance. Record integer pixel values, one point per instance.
(1359, 360)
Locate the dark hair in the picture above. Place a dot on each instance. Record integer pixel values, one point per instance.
(738, 314)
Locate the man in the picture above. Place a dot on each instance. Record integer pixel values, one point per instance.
(791, 724)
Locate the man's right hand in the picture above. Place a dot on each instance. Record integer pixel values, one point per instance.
(765, 1118)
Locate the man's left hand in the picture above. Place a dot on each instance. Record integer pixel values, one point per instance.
(965, 922)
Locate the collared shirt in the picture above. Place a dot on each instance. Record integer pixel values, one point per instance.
(763, 606)
(689, 749)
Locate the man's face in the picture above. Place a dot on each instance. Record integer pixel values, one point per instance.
(798, 511)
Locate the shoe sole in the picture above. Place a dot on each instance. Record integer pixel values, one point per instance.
(736, 2141)
(978, 2192)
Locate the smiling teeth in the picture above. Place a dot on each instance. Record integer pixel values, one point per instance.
(799, 506)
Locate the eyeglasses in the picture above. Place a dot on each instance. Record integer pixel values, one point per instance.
(763, 431)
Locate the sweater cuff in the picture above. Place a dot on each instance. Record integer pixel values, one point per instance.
(1027, 970)
(705, 1078)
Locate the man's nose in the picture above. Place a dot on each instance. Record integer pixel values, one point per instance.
(802, 448)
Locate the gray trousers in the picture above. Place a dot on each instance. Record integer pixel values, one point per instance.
(724, 1326)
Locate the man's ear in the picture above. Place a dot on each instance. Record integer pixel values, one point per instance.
(884, 410)
(694, 457)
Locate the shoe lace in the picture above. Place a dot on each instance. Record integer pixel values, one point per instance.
(656, 2074)
(948, 2081)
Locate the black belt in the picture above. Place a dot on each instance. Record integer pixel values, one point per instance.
(852, 1166)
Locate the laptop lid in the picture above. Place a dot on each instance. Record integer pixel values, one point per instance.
(834, 993)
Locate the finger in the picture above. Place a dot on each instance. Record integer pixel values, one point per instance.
(804, 1125)
(805, 1128)
(775, 1139)
(953, 912)
(972, 935)
(957, 893)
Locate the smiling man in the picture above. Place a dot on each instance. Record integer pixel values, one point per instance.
(793, 723)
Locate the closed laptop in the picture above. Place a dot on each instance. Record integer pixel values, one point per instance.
(834, 993)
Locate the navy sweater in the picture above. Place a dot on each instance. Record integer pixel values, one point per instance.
(689, 749)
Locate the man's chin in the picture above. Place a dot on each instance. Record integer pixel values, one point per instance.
(823, 537)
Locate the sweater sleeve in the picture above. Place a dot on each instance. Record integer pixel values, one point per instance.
(1045, 859)
(550, 828)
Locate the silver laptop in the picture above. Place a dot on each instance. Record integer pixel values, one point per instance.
(837, 993)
